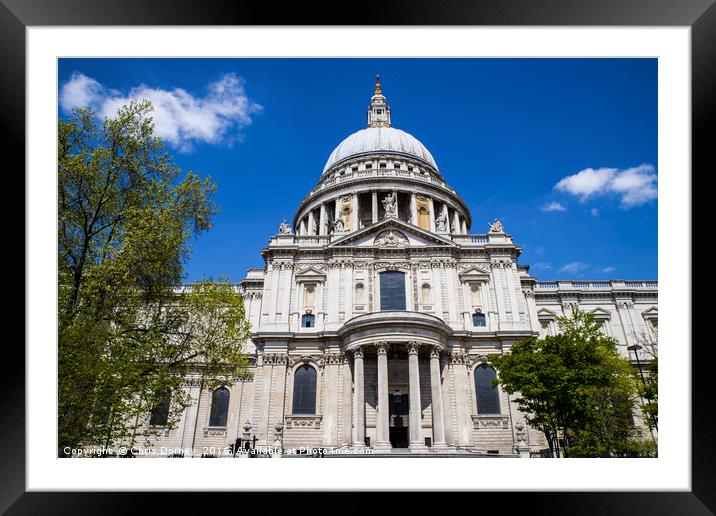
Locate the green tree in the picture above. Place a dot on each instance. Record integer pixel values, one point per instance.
(649, 389)
(126, 336)
(575, 388)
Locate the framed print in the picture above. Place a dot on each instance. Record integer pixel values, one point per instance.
(421, 252)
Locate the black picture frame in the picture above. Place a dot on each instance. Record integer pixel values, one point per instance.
(700, 15)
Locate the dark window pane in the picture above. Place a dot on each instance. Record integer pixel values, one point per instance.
(219, 407)
(308, 321)
(488, 401)
(479, 320)
(392, 290)
(304, 390)
(160, 410)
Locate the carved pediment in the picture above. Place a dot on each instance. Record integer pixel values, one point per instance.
(391, 233)
(391, 238)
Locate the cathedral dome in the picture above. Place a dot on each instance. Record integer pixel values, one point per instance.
(379, 139)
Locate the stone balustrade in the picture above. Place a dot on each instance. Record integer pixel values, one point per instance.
(596, 285)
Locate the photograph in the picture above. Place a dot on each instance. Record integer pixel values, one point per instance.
(344, 258)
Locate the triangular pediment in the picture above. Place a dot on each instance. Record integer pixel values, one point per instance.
(392, 234)
(651, 312)
(600, 313)
(474, 272)
(310, 273)
(543, 313)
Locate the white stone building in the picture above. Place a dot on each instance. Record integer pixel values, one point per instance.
(377, 311)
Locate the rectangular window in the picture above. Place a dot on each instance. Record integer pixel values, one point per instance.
(308, 321)
(392, 290)
(479, 320)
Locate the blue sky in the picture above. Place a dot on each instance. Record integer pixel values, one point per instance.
(563, 151)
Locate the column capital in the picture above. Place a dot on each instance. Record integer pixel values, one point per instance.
(435, 352)
(381, 348)
(358, 353)
(413, 348)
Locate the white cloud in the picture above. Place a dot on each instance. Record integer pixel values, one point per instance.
(79, 92)
(542, 266)
(594, 212)
(607, 269)
(636, 185)
(574, 267)
(180, 118)
(553, 206)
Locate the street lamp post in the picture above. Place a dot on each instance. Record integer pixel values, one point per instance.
(635, 348)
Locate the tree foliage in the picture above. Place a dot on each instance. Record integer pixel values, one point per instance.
(649, 341)
(576, 389)
(126, 217)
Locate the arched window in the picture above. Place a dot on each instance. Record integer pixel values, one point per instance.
(304, 390)
(308, 321)
(160, 409)
(425, 294)
(392, 290)
(488, 400)
(219, 407)
(479, 319)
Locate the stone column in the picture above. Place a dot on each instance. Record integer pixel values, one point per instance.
(383, 422)
(358, 400)
(346, 401)
(432, 214)
(455, 223)
(417, 443)
(374, 217)
(322, 221)
(337, 214)
(354, 212)
(464, 227)
(437, 399)
(413, 210)
(311, 223)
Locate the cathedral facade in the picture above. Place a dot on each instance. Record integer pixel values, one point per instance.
(377, 312)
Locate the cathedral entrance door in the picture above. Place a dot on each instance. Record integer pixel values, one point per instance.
(398, 431)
